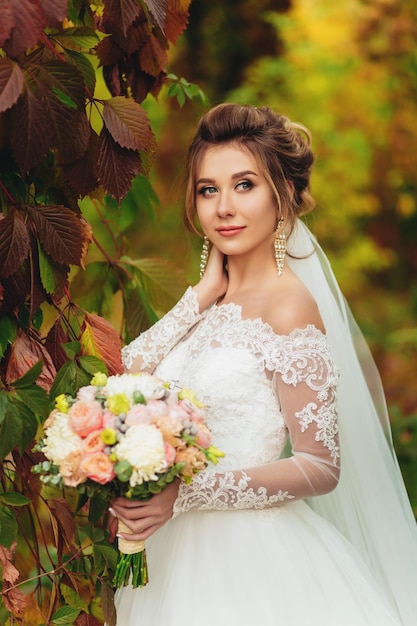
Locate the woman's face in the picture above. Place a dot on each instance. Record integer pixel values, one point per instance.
(235, 204)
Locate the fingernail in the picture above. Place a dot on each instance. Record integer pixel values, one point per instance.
(112, 512)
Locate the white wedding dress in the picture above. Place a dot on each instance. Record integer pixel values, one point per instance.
(244, 547)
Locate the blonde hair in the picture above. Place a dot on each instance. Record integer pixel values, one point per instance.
(281, 148)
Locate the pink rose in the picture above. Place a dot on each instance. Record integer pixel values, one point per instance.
(85, 416)
(138, 414)
(178, 413)
(109, 420)
(93, 442)
(87, 393)
(203, 437)
(170, 453)
(157, 408)
(98, 467)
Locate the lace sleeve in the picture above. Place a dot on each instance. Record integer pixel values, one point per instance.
(146, 351)
(305, 380)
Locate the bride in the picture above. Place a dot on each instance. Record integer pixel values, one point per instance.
(306, 519)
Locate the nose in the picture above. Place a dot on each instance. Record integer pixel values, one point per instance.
(224, 205)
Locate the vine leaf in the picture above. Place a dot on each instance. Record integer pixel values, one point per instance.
(158, 8)
(24, 23)
(29, 130)
(122, 12)
(64, 236)
(26, 351)
(12, 81)
(99, 338)
(128, 124)
(14, 244)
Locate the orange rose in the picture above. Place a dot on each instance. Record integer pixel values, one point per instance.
(85, 416)
(98, 467)
(93, 442)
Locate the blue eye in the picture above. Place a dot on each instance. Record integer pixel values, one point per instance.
(207, 191)
(245, 184)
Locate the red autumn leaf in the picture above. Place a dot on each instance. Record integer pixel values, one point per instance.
(177, 18)
(25, 352)
(128, 124)
(28, 21)
(29, 131)
(53, 343)
(81, 173)
(116, 166)
(153, 57)
(11, 83)
(55, 11)
(64, 236)
(122, 12)
(66, 78)
(85, 619)
(16, 288)
(158, 8)
(14, 244)
(6, 22)
(100, 339)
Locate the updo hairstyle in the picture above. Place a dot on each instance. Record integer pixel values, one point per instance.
(280, 147)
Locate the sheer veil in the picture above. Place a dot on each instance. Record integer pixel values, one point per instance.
(370, 505)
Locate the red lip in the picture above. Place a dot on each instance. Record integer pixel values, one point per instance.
(229, 231)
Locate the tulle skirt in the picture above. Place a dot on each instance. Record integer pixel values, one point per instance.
(284, 566)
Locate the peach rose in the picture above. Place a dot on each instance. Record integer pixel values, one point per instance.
(98, 467)
(85, 416)
(71, 471)
(193, 458)
(87, 393)
(93, 442)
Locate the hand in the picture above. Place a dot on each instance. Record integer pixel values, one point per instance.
(213, 284)
(143, 517)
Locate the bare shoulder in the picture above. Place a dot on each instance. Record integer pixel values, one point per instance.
(293, 307)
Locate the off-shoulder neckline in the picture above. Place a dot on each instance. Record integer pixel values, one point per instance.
(258, 321)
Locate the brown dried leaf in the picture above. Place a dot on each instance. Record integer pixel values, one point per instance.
(128, 124)
(25, 352)
(60, 510)
(62, 233)
(11, 83)
(14, 244)
(99, 338)
(28, 21)
(9, 572)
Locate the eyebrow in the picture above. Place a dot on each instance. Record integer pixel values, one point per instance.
(234, 176)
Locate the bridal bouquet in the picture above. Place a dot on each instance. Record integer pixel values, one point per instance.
(131, 433)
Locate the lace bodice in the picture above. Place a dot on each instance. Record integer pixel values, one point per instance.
(258, 388)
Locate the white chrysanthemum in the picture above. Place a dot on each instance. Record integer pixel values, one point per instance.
(61, 440)
(150, 387)
(142, 447)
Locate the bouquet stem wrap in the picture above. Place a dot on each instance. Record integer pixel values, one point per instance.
(131, 562)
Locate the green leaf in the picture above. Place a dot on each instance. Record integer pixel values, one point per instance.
(65, 615)
(4, 403)
(84, 288)
(30, 377)
(71, 348)
(65, 380)
(64, 98)
(107, 553)
(27, 422)
(11, 431)
(8, 527)
(6, 333)
(79, 39)
(91, 364)
(14, 499)
(35, 398)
